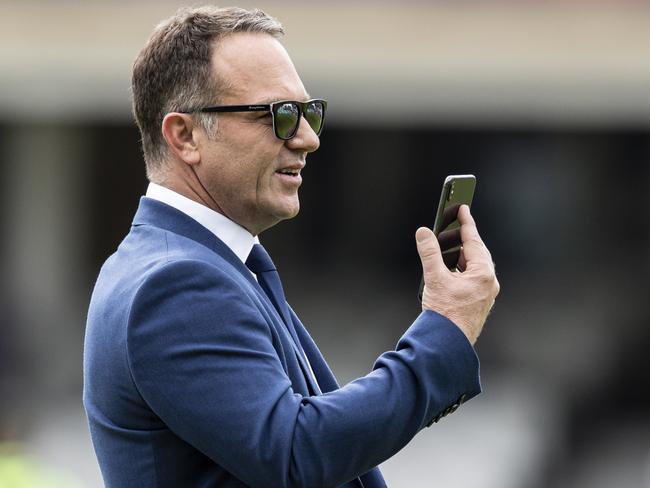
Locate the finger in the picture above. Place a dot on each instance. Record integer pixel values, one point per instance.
(449, 214)
(429, 251)
(449, 239)
(474, 251)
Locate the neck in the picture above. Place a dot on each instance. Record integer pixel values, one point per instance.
(184, 181)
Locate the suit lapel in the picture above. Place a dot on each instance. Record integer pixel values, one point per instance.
(299, 348)
(159, 214)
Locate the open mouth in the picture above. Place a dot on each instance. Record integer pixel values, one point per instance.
(289, 172)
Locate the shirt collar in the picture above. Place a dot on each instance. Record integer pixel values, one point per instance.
(238, 239)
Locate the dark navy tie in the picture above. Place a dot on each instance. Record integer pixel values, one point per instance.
(260, 263)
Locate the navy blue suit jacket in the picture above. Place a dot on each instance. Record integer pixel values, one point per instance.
(190, 378)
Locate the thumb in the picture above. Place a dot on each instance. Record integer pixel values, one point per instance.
(429, 251)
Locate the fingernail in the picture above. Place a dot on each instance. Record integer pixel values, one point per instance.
(420, 235)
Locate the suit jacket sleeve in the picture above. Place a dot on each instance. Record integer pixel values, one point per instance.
(202, 356)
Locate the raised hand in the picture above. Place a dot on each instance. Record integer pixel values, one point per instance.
(464, 297)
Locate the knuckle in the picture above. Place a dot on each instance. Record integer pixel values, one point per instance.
(427, 252)
(488, 254)
(485, 276)
(497, 286)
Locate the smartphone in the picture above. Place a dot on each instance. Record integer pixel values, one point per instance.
(456, 191)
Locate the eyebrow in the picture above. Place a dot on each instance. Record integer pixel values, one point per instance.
(269, 100)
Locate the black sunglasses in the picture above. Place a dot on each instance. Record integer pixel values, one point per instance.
(286, 114)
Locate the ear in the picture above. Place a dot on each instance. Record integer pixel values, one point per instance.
(180, 132)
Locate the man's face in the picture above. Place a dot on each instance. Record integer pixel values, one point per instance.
(242, 167)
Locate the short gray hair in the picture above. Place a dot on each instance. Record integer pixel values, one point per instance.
(180, 48)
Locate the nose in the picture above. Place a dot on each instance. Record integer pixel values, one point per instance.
(305, 138)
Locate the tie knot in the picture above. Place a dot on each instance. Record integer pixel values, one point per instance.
(259, 261)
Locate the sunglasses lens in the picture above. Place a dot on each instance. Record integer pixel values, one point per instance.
(314, 114)
(286, 120)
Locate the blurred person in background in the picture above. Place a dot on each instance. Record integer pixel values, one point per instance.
(196, 370)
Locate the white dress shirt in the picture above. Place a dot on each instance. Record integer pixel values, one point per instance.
(238, 239)
(233, 235)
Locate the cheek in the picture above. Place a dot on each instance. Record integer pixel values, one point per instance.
(247, 159)
(265, 164)
(250, 177)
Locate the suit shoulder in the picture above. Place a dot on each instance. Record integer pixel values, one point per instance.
(181, 268)
(151, 257)
(148, 249)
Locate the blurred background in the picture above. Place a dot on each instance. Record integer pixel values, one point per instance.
(547, 103)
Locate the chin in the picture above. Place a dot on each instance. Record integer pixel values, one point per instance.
(288, 209)
(277, 210)
(289, 213)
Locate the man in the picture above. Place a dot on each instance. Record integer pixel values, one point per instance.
(197, 372)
